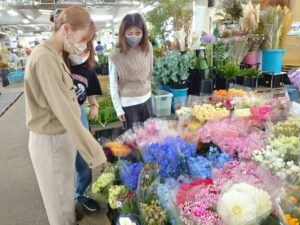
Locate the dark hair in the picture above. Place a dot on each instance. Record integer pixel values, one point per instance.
(98, 42)
(90, 62)
(78, 18)
(133, 20)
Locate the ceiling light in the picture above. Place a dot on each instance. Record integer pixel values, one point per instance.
(20, 32)
(132, 11)
(135, 2)
(116, 20)
(108, 25)
(29, 17)
(102, 17)
(147, 9)
(25, 21)
(37, 28)
(45, 11)
(12, 12)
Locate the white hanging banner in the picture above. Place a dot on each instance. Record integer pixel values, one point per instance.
(295, 29)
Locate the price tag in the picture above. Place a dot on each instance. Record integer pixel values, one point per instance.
(295, 29)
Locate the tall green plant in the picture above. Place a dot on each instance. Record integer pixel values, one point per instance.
(272, 19)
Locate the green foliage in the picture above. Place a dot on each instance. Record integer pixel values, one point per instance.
(248, 73)
(102, 59)
(228, 71)
(107, 113)
(173, 66)
(177, 12)
(221, 53)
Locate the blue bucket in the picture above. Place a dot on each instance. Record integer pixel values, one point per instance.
(180, 97)
(166, 88)
(293, 92)
(272, 60)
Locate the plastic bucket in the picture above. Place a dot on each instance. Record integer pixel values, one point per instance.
(180, 97)
(162, 103)
(293, 92)
(166, 88)
(272, 60)
(251, 59)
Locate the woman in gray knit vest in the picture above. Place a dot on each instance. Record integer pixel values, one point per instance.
(130, 70)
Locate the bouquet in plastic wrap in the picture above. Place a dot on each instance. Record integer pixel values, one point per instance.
(170, 155)
(129, 173)
(243, 204)
(197, 203)
(149, 179)
(208, 112)
(287, 128)
(166, 193)
(289, 202)
(233, 137)
(295, 78)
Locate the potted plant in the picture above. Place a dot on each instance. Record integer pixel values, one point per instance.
(274, 21)
(198, 73)
(249, 24)
(103, 63)
(225, 75)
(247, 77)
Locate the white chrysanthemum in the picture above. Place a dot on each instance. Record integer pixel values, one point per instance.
(126, 221)
(264, 203)
(236, 208)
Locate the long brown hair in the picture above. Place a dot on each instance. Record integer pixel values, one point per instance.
(128, 21)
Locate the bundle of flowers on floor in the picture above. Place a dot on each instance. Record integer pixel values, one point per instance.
(213, 165)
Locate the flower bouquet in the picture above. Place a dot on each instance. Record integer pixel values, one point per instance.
(295, 78)
(289, 127)
(244, 204)
(289, 203)
(116, 195)
(170, 155)
(129, 173)
(102, 185)
(207, 112)
(153, 214)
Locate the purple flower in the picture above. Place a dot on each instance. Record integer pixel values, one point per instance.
(295, 78)
(208, 39)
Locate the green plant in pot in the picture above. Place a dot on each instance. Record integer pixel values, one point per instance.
(173, 69)
(103, 63)
(226, 74)
(247, 77)
(274, 21)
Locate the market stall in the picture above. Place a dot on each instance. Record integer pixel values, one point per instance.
(231, 158)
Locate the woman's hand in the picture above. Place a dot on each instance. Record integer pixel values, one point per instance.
(122, 118)
(94, 112)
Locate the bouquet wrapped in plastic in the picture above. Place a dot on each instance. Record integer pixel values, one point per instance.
(170, 156)
(289, 202)
(129, 173)
(295, 78)
(244, 204)
(234, 137)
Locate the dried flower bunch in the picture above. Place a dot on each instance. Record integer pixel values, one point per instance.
(250, 19)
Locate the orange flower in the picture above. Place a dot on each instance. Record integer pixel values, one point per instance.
(291, 220)
(292, 200)
(118, 149)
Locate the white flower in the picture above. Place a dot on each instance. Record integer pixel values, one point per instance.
(126, 221)
(236, 208)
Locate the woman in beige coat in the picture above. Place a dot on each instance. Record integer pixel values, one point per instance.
(53, 115)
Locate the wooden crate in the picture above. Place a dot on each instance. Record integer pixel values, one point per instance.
(104, 83)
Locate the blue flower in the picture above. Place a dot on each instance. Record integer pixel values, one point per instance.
(170, 155)
(200, 167)
(129, 173)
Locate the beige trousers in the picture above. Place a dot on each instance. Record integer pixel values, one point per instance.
(53, 159)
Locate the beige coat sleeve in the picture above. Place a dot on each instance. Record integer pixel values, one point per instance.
(57, 88)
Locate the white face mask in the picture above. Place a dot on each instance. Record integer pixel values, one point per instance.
(77, 59)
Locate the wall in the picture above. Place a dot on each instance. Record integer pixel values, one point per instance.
(292, 44)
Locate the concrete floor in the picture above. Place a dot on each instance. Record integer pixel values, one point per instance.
(21, 202)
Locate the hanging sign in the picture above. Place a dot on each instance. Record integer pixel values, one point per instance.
(295, 29)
